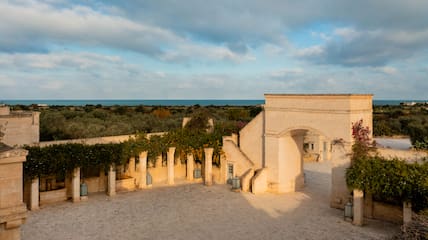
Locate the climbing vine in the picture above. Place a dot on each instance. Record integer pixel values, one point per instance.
(388, 180)
(54, 159)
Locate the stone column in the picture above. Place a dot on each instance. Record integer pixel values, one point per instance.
(34, 194)
(190, 167)
(407, 212)
(111, 182)
(170, 165)
(75, 185)
(208, 166)
(13, 211)
(358, 207)
(143, 170)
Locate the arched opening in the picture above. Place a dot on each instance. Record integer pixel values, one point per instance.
(304, 156)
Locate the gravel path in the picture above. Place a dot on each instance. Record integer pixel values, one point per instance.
(194, 211)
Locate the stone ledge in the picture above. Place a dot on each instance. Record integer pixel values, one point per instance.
(14, 216)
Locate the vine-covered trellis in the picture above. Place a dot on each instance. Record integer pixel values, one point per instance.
(63, 158)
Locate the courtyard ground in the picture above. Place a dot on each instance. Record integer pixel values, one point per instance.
(194, 211)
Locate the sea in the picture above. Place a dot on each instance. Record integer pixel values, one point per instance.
(166, 102)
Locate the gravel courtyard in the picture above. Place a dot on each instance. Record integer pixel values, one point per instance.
(193, 211)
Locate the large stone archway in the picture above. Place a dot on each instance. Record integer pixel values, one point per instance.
(274, 139)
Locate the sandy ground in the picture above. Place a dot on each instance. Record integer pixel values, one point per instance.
(394, 143)
(194, 211)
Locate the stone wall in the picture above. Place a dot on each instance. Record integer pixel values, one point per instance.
(21, 128)
(251, 140)
(12, 209)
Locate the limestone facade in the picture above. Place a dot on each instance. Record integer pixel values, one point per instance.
(275, 139)
(19, 127)
(12, 209)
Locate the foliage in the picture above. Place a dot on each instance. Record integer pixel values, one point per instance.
(411, 121)
(72, 122)
(362, 143)
(54, 159)
(389, 180)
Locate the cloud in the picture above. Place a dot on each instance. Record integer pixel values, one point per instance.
(386, 70)
(45, 25)
(351, 47)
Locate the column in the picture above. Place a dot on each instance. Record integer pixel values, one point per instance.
(75, 185)
(190, 167)
(208, 166)
(407, 212)
(143, 170)
(358, 207)
(13, 211)
(111, 182)
(170, 165)
(34, 194)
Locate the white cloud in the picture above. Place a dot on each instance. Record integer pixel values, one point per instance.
(386, 70)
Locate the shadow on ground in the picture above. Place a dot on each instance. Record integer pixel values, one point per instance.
(194, 211)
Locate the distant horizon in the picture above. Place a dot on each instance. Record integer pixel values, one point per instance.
(160, 99)
(167, 102)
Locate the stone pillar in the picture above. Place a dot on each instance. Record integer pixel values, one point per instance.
(358, 207)
(75, 185)
(111, 182)
(208, 166)
(13, 211)
(131, 167)
(407, 212)
(339, 192)
(34, 194)
(143, 170)
(170, 165)
(190, 167)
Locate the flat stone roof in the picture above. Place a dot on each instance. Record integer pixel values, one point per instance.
(317, 95)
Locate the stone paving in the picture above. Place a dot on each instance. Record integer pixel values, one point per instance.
(195, 211)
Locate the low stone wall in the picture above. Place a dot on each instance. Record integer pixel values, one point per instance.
(53, 196)
(98, 140)
(382, 211)
(96, 184)
(126, 184)
(408, 155)
(387, 212)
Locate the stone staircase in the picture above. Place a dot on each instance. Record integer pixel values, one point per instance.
(252, 180)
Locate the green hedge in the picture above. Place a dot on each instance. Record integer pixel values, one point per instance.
(60, 159)
(56, 159)
(390, 180)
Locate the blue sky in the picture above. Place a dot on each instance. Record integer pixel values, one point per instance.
(191, 49)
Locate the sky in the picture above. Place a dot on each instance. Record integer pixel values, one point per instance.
(223, 49)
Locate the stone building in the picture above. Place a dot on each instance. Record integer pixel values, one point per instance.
(269, 155)
(19, 127)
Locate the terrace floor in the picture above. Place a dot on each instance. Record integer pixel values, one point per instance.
(194, 211)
